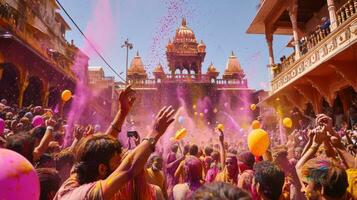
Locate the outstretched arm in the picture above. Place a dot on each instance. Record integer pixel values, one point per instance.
(126, 100)
(45, 141)
(135, 161)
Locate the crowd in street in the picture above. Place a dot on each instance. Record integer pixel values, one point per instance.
(318, 161)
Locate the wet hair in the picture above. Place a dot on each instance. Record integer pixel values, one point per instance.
(247, 158)
(270, 178)
(326, 174)
(208, 151)
(21, 143)
(91, 152)
(193, 150)
(49, 182)
(220, 190)
(193, 170)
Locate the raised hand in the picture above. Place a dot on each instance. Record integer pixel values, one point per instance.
(320, 135)
(324, 120)
(163, 121)
(127, 99)
(78, 132)
(50, 122)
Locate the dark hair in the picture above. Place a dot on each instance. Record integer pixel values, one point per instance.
(91, 152)
(64, 157)
(186, 149)
(208, 151)
(193, 150)
(174, 148)
(22, 143)
(49, 182)
(247, 158)
(270, 178)
(215, 155)
(220, 190)
(38, 132)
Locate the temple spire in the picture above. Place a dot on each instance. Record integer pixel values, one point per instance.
(183, 23)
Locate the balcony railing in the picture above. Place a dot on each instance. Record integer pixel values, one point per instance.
(308, 43)
(320, 47)
(14, 21)
(190, 78)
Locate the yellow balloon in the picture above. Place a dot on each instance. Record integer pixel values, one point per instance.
(287, 122)
(220, 127)
(253, 107)
(66, 95)
(255, 124)
(258, 142)
(180, 134)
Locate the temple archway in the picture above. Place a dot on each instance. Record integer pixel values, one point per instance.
(33, 92)
(9, 88)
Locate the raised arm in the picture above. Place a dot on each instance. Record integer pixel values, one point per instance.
(221, 147)
(45, 141)
(126, 101)
(135, 161)
(319, 137)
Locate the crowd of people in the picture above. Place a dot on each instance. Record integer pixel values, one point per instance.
(317, 162)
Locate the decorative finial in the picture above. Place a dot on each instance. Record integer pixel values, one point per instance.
(183, 22)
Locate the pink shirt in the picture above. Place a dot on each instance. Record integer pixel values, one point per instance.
(71, 190)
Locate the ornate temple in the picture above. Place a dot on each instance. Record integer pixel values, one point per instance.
(184, 82)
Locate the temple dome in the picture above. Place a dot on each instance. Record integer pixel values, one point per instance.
(137, 66)
(211, 68)
(233, 69)
(159, 69)
(233, 64)
(201, 47)
(184, 34)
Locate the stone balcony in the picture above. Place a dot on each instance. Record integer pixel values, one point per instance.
(320, 48)
(15, 18)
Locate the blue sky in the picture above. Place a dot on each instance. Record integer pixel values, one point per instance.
(148, 24)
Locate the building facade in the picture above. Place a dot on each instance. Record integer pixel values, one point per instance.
(184, 82)
(320, 75)
(34, 55)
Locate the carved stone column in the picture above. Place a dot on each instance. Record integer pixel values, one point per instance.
(332, 14)
(269, 39)
(45, 93)
(23, 82)
(293, 8)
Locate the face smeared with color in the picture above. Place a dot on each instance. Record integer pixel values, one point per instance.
(310, 190)
(232, 165)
